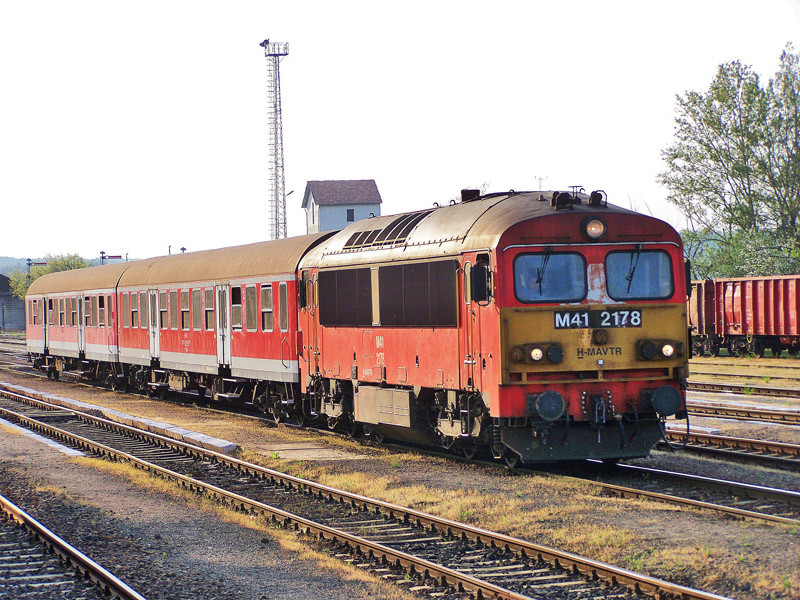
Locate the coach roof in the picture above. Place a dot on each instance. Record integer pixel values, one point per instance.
(251, 260)
(91, 278)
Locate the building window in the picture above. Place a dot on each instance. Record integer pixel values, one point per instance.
(351, 215)
(236, 307)
(266, 308)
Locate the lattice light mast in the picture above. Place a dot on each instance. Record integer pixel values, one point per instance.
(274, 52)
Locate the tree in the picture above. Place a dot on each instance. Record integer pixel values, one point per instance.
(20, 281)
(734, 170)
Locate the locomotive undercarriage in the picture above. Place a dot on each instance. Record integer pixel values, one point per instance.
(455, 420)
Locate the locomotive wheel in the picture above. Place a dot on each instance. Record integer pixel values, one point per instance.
(276, 414)
(511, 458)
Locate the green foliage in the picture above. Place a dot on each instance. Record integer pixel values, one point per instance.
(20, 281)
(734, 171)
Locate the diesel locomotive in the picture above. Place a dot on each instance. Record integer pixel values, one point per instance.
(536, 326)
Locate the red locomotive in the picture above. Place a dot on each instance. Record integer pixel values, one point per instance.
(536, 326)
(746, 315)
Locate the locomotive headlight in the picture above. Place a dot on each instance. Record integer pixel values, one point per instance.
(647, 350)
(555, 354)
(536, 354)
(517, 355)
(667, 350)
(594, 229)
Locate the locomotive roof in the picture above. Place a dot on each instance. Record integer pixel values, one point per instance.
(261, 258)
(442, 231)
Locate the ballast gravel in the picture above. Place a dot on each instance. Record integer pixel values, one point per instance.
(163, 547)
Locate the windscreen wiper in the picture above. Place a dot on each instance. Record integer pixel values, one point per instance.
(632, 269)
(540, 271)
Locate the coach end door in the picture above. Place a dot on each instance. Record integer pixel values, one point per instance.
(223, 326)
(155, 337)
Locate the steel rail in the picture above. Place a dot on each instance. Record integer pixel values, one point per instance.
(779, 453)
(706, 386)
(576, 564)
(744, 413)
(109, 582)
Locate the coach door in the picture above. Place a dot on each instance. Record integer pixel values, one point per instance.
(223, 326)
(81, 326)
(155, 336)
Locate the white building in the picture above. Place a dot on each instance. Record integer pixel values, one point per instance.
(332, 205)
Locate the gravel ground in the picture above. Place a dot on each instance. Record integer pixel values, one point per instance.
(165, 548)
(734, 558)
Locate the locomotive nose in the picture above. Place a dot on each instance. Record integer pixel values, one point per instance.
(666, 401)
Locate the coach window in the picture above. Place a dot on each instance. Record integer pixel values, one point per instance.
(209, 308)
(251, 308)
(29, 312)
(173, 310)
(101, 311)
(283, 306)
(126, 310)
(134, 310)
(197, 310)
(94, 311)
(50, 317)
(162, 309)
(40, 311)
(143, 314)
(236, 307)
(60, 312)
(74, 307)
(108, 311)
(267, 323)
(185, 310)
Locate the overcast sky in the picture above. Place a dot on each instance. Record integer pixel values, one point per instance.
(132, 126)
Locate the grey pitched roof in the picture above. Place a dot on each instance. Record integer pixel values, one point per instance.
(337, 193)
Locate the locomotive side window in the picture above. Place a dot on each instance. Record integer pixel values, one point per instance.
(467, 283)
(162, 309)
(185, 310)
(126, 315)
(236, 307)
(250, 307)
(197, 310)
(173, 310)
(639, 275)
(266, 308)
(550, 277)
(419, 294)
(345, 297)
(209, 309)
(283, 306)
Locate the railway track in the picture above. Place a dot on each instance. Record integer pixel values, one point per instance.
(440, 557)
(744, 412)
(36, 563)
(759, 451)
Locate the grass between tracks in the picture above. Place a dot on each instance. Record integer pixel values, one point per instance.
(288, 540)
